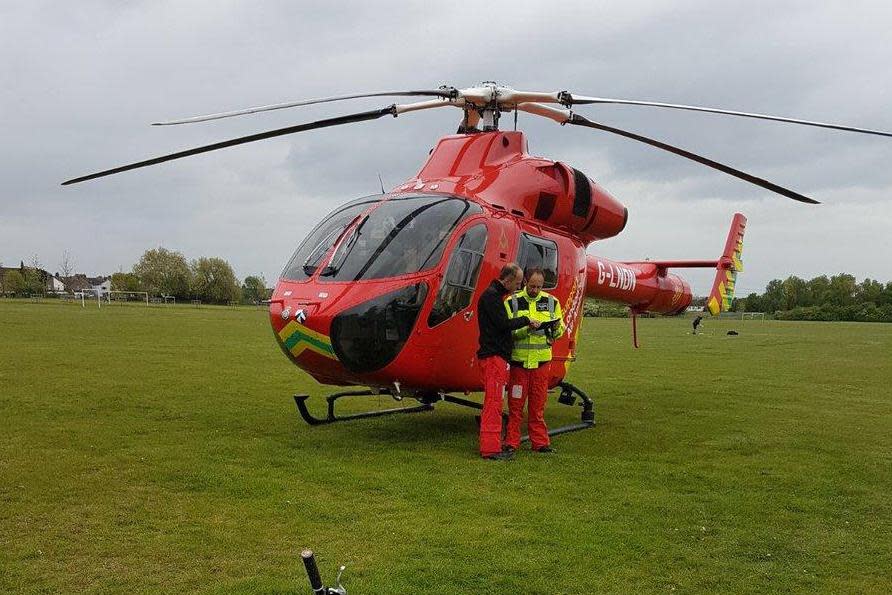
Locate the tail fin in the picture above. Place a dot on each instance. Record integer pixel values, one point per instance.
(728, 266)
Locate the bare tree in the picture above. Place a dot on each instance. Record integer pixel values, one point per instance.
(66, 265)
(35, 277)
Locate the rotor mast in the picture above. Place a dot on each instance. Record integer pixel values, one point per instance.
(491, 112)
(482, 104)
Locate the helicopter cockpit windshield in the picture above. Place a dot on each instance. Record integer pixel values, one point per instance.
(397, 236)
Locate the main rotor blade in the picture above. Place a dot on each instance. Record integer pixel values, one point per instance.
(446, 93)
(581, 121)
(569, 100)
(349, 119)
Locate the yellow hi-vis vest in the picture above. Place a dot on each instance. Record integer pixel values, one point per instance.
(533, 347)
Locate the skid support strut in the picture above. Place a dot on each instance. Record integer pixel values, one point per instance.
(568, 396)
(331, 417)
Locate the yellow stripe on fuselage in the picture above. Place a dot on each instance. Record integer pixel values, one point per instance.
(303, 338)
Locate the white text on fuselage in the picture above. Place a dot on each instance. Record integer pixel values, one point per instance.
(616, 276)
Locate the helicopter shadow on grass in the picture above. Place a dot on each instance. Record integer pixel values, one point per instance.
(445, 426)
(438, 428)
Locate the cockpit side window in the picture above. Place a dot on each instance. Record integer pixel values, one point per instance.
(403, 235)
(312, 251)
(539, 253)
(461, 276)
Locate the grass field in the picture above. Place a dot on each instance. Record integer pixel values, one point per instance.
(158, 450)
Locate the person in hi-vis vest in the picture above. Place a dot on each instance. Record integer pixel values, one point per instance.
(530, 360)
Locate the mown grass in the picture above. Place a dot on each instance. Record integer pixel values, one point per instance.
(158, 450)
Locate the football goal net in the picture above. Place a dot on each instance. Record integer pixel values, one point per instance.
(127, 296)
(752, 315)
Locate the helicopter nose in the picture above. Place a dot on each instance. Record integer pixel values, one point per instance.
(370, 335)
(327, 337)
(302, 331)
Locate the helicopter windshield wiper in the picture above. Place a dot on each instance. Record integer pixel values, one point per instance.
(316, 254)
(343, 250)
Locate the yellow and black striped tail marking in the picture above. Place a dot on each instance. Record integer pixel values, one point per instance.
(722, 293)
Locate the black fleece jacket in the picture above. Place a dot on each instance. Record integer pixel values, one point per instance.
(494, 323)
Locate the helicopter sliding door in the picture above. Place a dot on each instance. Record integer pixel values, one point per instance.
(450, 340)
(460, 277)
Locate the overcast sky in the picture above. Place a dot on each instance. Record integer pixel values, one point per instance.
(82, 81)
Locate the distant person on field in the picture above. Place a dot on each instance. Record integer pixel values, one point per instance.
(531, 360)
(697, 322)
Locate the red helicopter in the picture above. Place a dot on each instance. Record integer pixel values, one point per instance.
(382, 293)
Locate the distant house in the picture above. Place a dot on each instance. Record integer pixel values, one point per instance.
(54, 284)
(58, 284)
(75, 283)
(100, 285)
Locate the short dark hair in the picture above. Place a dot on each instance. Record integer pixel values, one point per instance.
(509, 270)
(533, 271)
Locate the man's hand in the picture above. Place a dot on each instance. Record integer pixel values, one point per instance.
(534, 324)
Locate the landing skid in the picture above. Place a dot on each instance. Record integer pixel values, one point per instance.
(301, 402)
(568, 396)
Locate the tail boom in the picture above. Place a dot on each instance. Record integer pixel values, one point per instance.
(643, 286)
(647, 286)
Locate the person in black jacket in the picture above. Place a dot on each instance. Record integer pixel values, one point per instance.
(496, 342)
(696, 323)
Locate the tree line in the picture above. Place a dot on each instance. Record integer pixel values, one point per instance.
(163, 272)
(160, 272)
(26, 280)
(839, 297)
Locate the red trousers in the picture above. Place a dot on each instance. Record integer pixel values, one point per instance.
(495, 378)
(528, 385)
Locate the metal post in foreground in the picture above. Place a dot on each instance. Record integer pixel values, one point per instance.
(316, 580)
